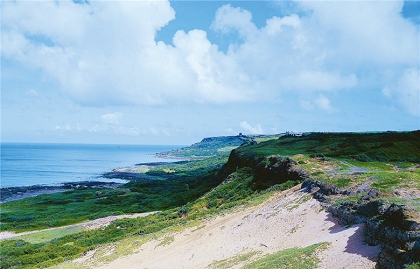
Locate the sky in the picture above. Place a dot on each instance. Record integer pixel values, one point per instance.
(174, 72)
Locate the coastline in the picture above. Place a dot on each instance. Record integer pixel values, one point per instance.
(8, 194)
(128, 174)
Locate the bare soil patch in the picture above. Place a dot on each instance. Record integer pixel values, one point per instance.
(283, 221)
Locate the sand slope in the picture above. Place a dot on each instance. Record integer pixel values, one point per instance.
(292, 219)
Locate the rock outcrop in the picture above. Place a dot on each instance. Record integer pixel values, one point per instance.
(268, 171)
(395, 228)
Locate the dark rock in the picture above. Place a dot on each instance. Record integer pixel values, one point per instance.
(394, 227)
(371, 209)
(276, 170)
(371, 194)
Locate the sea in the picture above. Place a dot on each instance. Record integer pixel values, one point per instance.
(28, 164)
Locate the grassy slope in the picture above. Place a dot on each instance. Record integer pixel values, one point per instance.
(402, 147)
(208, 147)
(236, 190)
(190, 180)
(388, 162)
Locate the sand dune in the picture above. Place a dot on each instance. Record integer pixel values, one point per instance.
(288, 220)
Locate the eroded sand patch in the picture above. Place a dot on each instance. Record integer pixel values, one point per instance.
(294, 220)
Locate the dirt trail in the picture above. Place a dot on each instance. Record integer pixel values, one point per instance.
(89, 225)
(284, 221)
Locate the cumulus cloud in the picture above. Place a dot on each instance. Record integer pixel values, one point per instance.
(321, 102)
(406, 91)
(105, 52)
(251, 129)
(229, 19)
(368, 31)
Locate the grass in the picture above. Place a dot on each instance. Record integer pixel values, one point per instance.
(235, 260)
(390, 146)
(414, 203)
(414, 266)
(292, 258)
(390, 181)
(226, 149)
(64, 208)
(166, 240)
(190, 180)
(208, 147)
(48, 235)
(44, 253)
(349, 198)
(296, 204)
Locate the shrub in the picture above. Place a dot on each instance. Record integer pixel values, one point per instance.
(361, 158)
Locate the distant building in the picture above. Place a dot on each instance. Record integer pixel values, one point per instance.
(293, 134)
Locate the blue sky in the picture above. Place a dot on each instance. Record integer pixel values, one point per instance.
(173, 72)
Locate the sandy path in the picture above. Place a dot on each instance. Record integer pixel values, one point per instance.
(294, 220)
(89, 225)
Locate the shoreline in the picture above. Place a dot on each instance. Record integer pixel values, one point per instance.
(8, 194)
(128, 174)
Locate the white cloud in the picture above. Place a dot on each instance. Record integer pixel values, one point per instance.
(105, 53)
(406, 91)
(112, 118)
(111, 123)
(364, 31)
(251, 129)
(230, 19)
(323, 103)
(65, 127)
(68, 128)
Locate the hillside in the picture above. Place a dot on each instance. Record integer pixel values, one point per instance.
(214, 146)
(241, 206)
(289, 223)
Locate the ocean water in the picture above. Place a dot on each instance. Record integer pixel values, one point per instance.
(24, 164)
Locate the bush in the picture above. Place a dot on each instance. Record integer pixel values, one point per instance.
(361, 158)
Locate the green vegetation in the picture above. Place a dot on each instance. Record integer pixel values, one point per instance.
(188, 181)
(48, 235)
(187, 191)
(235, 190)
(21, 254)
(208, 147)
(235, 260)
(390, 146)
(414, 266)
(167, 240)
(295, 258)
